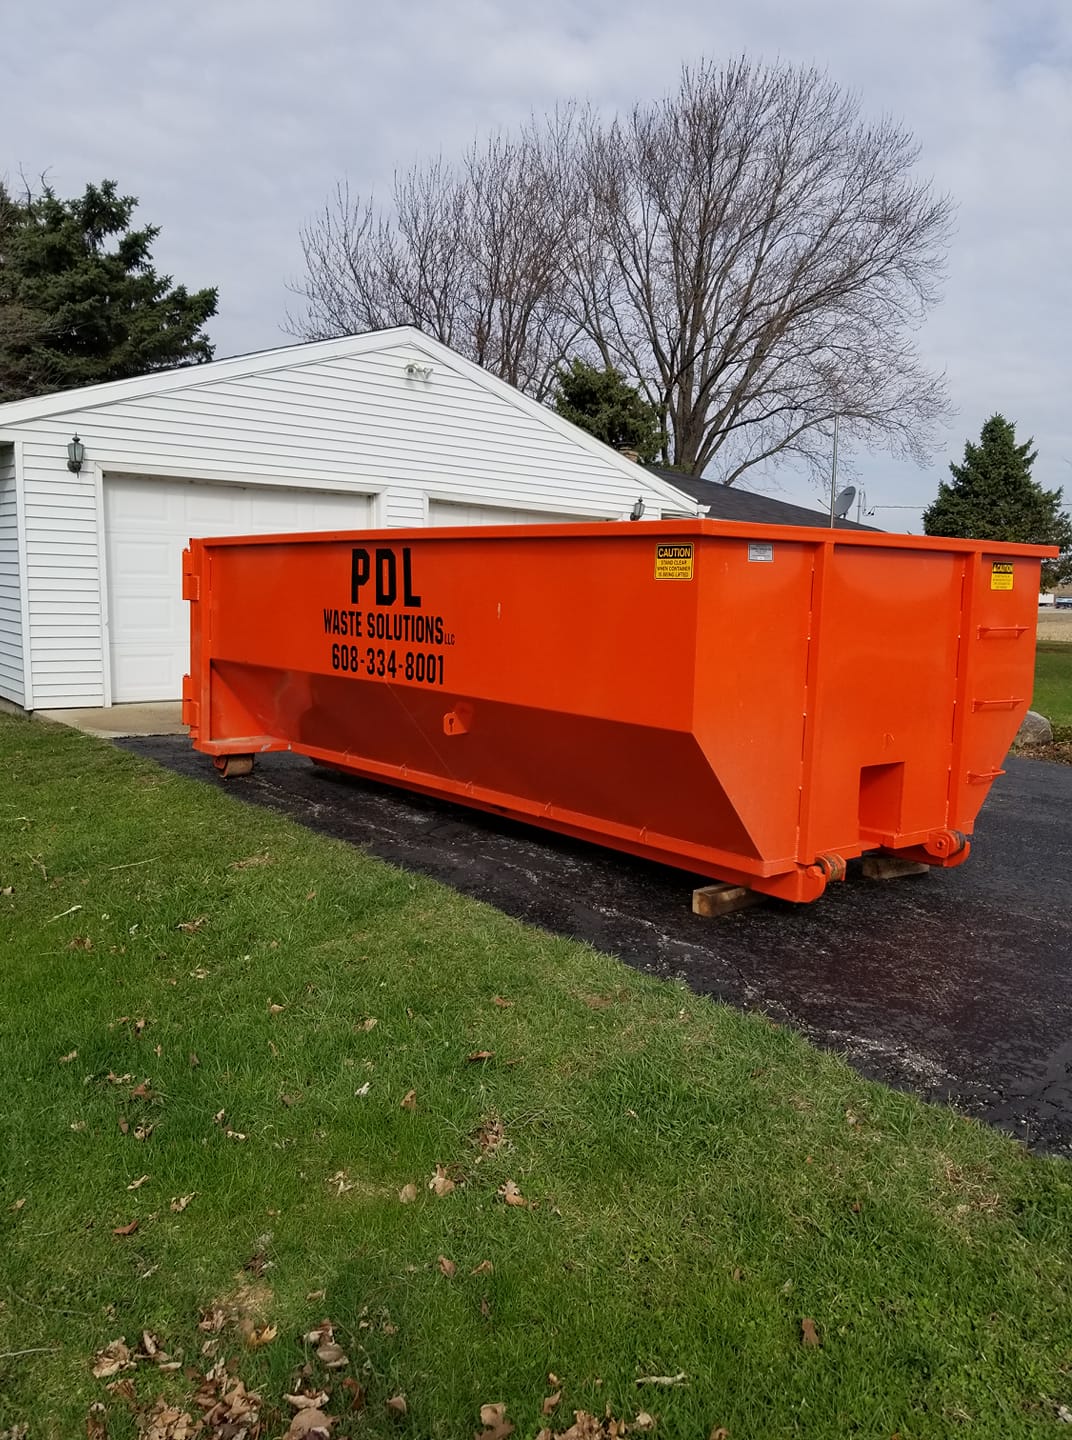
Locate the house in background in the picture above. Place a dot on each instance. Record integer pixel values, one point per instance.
(728, 502)
(384, 429)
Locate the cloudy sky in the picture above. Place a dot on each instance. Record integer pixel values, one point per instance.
(231, 120)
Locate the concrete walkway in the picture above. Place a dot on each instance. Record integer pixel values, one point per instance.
(159, 717)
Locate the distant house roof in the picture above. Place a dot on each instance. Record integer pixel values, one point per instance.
(726, 502)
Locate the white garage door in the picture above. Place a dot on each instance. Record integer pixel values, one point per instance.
(147, 525)
(446, 512)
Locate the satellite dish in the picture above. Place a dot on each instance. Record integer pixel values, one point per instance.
(843, 501)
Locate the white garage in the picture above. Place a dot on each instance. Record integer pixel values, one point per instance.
(387, 429)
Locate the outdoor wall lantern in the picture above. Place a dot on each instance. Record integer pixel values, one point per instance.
(638, 508)
(76, 453)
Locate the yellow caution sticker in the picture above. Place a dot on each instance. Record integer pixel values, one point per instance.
(674, 562)
(1001, 575)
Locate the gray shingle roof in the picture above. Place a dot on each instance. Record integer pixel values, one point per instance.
(726, 502)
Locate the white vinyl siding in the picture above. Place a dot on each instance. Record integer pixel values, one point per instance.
(11, 666)
(448, 512)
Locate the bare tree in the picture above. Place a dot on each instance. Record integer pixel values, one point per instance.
(469, 254)
(759, 258)
(748, 250)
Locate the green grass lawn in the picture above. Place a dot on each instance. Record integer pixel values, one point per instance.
(1053, 683)
(199, 999)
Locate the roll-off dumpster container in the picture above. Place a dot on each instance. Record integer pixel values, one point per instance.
(753, 703)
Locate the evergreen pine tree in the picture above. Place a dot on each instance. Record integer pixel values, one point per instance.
(608, 407)
(993, 497)
(80, 301)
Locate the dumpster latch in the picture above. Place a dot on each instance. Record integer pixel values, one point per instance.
(458, 720)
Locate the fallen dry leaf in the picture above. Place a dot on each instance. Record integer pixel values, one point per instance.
(124, 1125)
(190, 927)
(194, 1061)
(258, 1262)
(808, 1334)
(511, 1194)
(308, 1402)
(397, 1405)
(447, 1267)
(167, 1422)
(138, 1183)
(142, 1132)
(274, 1009)
(213, 1319)
(180, 1202)
(644, 1421)
(142, 1091)
(251, 860)
(441, 1183)
(502, 1003)
(7, 891)
(97, 1422)
(719, 1433)
(78, 1126)
(493, 1417)
(18, 1203)
(126, 1229)
(363, 1090)
(236, 1134)
(485, 1308)
(264, 1336)
(489, 1136)
(479, 1055)
(550, 1404)
(409, 1100)
(662, 1379)
(332, 1355)
(66, 1059)
(356, 1393)
(369, 1024)
(316, 1294)
(310, 1425)
(484, 1268)
(407, 1193)
(114, 1357)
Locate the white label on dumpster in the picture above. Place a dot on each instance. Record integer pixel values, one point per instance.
(761, 550)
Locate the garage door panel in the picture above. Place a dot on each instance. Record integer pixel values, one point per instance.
(148, 523)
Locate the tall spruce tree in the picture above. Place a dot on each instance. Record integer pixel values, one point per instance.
(603, 402)
(80, 301)
(993, 497)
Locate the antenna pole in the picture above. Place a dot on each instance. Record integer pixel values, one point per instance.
(833, 474)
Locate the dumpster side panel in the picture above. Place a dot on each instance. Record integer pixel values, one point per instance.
(884, 689)
(751, 670)
(997, 672)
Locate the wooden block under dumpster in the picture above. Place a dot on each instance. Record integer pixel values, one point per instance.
(755, 704)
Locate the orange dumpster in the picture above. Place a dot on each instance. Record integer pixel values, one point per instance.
(757, 704)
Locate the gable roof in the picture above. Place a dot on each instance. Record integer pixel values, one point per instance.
(312, 352)
(726, 502)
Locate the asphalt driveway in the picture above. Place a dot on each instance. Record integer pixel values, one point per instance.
(957, 984)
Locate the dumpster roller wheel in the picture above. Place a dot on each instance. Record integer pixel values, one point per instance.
(230, 767)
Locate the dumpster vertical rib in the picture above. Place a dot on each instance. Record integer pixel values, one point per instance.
(806, 847)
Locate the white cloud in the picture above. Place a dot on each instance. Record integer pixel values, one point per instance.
(232, 122)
